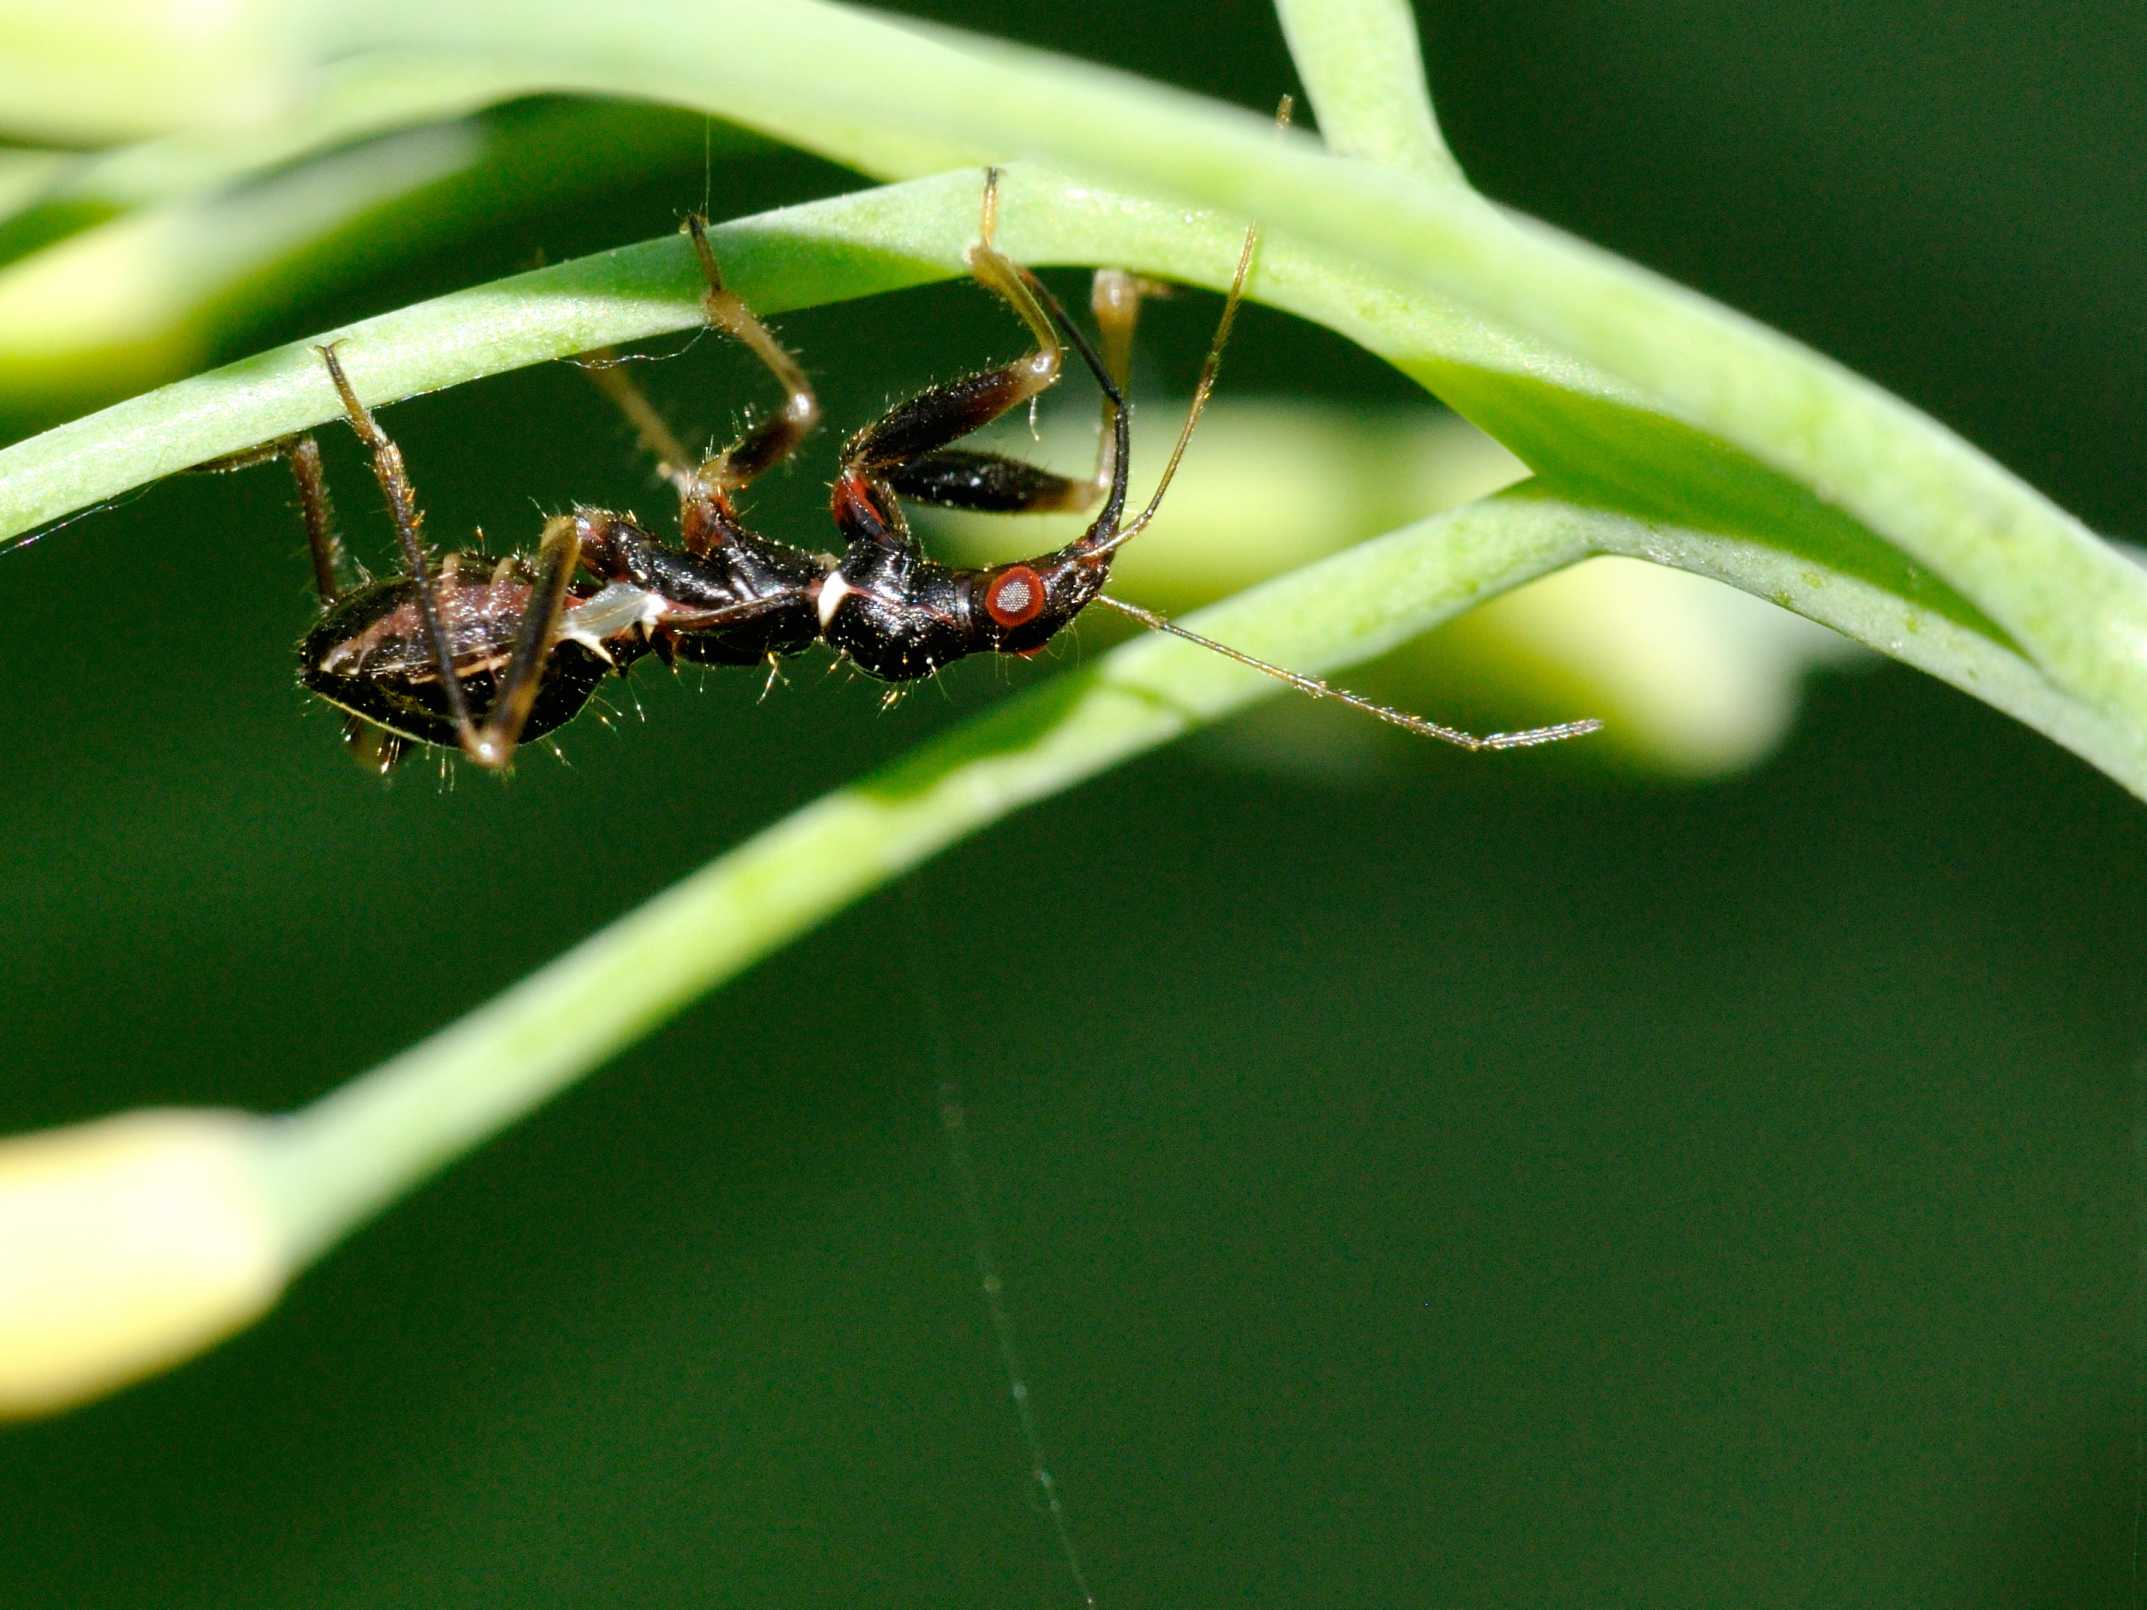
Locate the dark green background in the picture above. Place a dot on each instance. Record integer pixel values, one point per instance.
(1473, 1182)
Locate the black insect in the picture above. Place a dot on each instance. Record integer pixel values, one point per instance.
(467, 650)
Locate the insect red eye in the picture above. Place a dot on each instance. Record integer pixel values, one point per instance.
(1015, 596)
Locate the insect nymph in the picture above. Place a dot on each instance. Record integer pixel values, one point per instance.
(479, 653)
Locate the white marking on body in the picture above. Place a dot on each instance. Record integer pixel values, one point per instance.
(618, 608)
(832, 592)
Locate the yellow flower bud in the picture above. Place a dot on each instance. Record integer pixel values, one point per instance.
(128, 1245)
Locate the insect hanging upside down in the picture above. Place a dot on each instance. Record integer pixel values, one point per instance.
(469, 651)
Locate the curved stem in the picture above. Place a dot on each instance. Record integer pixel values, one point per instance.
(339, 1161)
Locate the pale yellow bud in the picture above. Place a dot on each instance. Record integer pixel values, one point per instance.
(126, 1246)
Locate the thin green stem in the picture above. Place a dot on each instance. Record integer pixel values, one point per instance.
(340, 1161)
(1363, 71)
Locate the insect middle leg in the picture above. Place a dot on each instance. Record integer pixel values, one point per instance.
(705, 512)
(331, 571)
(760, 447)
(331, 567)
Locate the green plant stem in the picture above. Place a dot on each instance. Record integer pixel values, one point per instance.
(901, 235)
(347, 103)
(350, 1154)
(1360, 63)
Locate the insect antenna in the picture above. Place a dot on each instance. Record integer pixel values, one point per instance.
(1212, 365)
(1203, 389)
(1526, 738)
(1107, 535)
